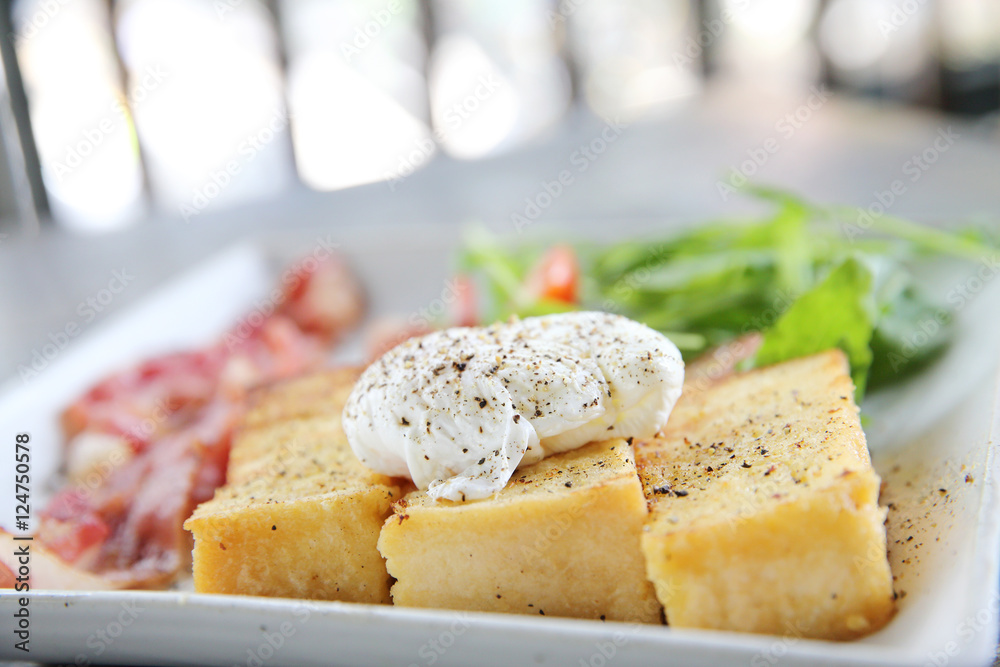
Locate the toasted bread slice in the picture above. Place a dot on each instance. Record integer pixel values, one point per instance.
(306, 396)
(299, 516)
(562, 539)
(764, 507)
(279, 414)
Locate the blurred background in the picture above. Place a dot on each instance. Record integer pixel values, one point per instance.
(148, 135)
(117, 112)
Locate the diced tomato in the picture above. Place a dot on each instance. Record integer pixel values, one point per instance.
(556, 276)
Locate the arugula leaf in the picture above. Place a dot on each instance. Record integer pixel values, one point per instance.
(837, 312)
(913, 332)
(809, 276)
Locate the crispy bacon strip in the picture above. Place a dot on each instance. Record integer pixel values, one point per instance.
(48, 571)
(7, 577)
(118, 523)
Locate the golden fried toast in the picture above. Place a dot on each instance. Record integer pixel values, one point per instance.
(282, 413)
(306, 396)
(764, 511)
(299, 516)
(561, 539)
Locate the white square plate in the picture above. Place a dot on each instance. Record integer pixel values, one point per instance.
(931, 439)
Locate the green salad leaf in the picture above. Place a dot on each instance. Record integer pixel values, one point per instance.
(808, 276)
(838, 312)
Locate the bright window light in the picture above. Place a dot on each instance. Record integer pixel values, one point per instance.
(357, 91)
(212, 119)
(79, 114)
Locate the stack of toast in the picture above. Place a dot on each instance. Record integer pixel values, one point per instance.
(299, 516)
(755, 509)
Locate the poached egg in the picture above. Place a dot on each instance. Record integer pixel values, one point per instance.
(458, 410)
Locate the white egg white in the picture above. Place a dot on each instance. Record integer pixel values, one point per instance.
(457, 411)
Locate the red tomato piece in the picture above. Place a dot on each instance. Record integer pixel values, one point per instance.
(556, 276)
